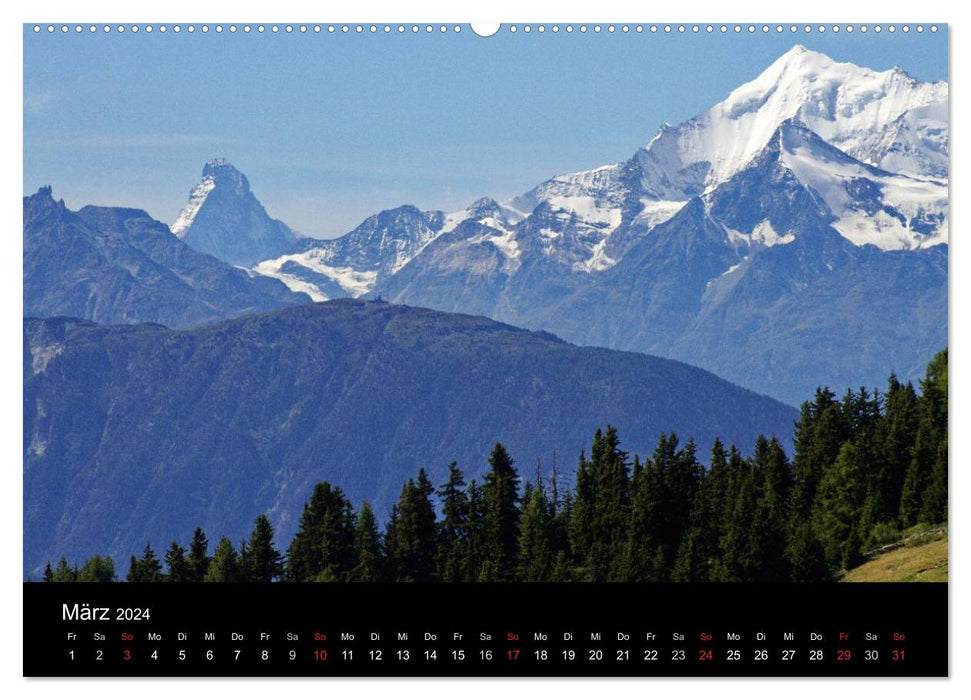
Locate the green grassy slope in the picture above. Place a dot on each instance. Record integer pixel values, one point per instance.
(922, 559)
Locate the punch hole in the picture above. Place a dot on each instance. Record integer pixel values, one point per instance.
(484, 29)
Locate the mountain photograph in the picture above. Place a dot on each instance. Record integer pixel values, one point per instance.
(720, 358)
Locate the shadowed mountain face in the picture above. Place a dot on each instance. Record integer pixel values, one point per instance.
(139, 433)
(113, 265)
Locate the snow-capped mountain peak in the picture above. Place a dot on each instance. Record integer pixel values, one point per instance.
(847, 105)
(216, 170)
(224, 218)
(867, 148)
(221, 171)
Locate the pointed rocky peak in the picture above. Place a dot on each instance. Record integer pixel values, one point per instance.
(224, 174)
(485, 207)
(216, 173)
(664, 127)
(42, 197)
(401, 222)
(41, 204)
(224, 219)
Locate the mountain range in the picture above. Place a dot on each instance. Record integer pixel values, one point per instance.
(134, 433)
(794, 235)
(115, 265)
(758, 239)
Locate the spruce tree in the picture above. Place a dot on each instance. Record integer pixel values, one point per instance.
(736, 562)
(690, 563)
(934, 504)
(97, 569)
(820, 432)
(767, 542)
(647, 502)
(367, 547)
(260, 561)
(476, 549)
(133, 575)
(611, 506)
(198, 560)
(176, 562)
(501, 513)
(48, 573)
(807, 560)
(536, 557)
(224, 567)
(453, 531)
(923, 457)
(897, 439)
(147, 569)
(413, 556)
(580, 525)
(839, 504)
(323, 548)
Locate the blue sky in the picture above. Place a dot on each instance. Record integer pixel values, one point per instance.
(331, 128)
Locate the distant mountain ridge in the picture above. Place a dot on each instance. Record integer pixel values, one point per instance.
(755, 239)
(886, 120)
(117, 265)
(211, 425)
(656, 253)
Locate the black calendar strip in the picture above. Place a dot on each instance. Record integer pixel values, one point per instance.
(485, 630)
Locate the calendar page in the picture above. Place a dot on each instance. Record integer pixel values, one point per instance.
(485, 350)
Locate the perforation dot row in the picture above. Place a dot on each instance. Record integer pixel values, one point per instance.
(246, 29)
(445, 29)
(723, 28)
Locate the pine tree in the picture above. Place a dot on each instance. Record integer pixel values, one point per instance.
(224, 567)
(48, 573)
(198, 560)
(260, 562)
(699, 550)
